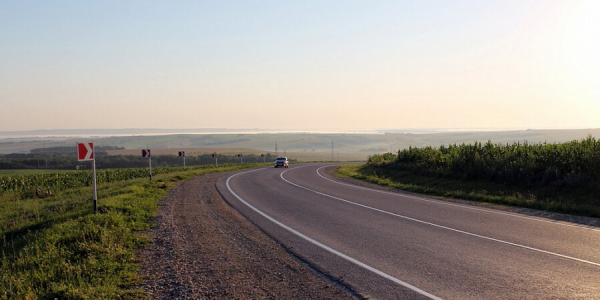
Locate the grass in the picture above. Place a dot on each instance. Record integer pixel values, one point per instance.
(55, 247)
(570, 202)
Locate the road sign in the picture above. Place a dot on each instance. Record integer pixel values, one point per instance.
(85, 151)
(146, 154)
(182, 154)
(214, 155)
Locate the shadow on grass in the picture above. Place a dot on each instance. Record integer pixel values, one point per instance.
(14, 240)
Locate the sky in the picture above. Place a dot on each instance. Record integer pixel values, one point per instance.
(343, 64)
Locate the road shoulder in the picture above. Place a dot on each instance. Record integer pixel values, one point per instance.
(203, 248)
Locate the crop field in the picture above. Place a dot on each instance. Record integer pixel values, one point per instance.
(12, 172)
(561, 177)
(52, 246)
(24, 186)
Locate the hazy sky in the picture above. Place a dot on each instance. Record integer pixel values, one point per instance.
(299, 64)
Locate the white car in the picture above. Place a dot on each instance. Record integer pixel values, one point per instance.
(281, 161)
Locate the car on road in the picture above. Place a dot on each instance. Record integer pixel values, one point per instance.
(281, 161)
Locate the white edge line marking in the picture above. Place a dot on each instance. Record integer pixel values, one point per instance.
(562, 223)
(331, 250)
(441, 226)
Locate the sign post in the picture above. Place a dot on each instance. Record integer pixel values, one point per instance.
(146, 153)
(264, 159)
(182, 153)
(85, 152)
(241, 158)
(216, 160)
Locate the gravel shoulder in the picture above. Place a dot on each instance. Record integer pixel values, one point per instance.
(204, 249)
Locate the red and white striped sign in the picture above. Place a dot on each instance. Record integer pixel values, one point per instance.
(85, 151)
(145, 152)
(181, 153)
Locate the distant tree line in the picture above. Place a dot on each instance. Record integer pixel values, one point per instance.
(65, 158)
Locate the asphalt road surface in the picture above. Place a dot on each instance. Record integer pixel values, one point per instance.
(386, 245)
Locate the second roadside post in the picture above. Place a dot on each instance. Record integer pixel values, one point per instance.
(146, 154)
(182, 153)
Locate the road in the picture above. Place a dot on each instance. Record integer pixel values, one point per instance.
(388, 245)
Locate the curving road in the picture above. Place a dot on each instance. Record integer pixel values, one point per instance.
(386, 245)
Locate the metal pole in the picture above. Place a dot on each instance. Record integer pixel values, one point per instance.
(332, 150)
(184, 161)
(150, 166)
(94, 186)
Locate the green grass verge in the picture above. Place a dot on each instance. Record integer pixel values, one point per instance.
(55, 247)
(571, 202)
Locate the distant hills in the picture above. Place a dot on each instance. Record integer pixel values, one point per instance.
(363, 143)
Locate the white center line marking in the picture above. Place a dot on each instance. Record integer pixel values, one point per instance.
(441, 226)
(328, 249)
(454, 204)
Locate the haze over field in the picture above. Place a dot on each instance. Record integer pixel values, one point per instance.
(361, 144)
(281, 65)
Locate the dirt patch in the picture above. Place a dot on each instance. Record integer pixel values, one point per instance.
(204, 249)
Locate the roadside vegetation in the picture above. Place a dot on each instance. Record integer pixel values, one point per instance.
(561, 177)
(65, 158)
(12, 172)
(52, 246)
(43, 184)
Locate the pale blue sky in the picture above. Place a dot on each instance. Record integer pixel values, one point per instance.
(299, 64)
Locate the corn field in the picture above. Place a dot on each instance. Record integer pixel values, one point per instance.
(29, 185)
(571, 164)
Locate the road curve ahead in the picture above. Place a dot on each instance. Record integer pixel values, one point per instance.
(396, 246)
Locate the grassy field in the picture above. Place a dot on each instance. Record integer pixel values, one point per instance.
(55, 247)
